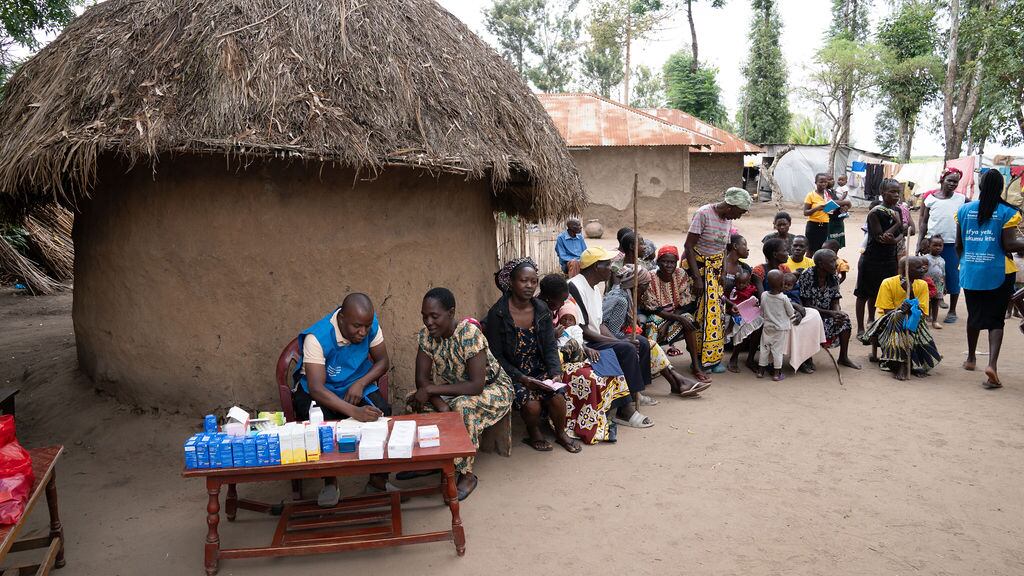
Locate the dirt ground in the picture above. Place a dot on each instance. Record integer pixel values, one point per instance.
(800, 477)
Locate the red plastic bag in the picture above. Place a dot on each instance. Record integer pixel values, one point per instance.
(16, 476)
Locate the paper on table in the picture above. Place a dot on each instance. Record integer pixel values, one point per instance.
(749, 309)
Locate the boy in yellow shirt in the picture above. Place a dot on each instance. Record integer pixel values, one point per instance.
(798, 260)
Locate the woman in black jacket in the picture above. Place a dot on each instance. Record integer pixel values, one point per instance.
(521, 336)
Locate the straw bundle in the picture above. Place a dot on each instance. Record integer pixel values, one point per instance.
(364, 84)
(53, 247)
(24, 270)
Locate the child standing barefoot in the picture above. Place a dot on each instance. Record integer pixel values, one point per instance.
(937, 274)
(779, 317)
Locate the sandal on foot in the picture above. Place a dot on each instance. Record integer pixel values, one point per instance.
(646, 400)
(570, 447)
(718, 369)
(950, 319)
(673, 351)
(992, 381)
(637, 420)
(329, 496)
(693, 389)
(779, 377)
(538, 445)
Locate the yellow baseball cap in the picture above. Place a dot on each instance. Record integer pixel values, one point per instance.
(593, 255)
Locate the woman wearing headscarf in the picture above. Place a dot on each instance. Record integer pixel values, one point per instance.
(705, 246)
(938, 218)
(618, 318)
(986, 235)
(520, 332)
(670, 304)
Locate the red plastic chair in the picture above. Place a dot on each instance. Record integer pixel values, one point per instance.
(286, 367)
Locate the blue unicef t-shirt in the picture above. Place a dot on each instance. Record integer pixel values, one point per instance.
(983, 265)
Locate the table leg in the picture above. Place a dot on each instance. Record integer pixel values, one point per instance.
(212, 519)
(231, 503)
(56, 530)
(453, 504)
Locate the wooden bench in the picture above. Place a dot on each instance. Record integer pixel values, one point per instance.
(44, 466)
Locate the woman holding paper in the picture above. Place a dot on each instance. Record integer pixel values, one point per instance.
(521, 333)
(738, 286)
(819, 205)
(456, 372)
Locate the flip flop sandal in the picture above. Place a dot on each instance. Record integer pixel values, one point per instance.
(646, 400)
(694, 390)
(570, 448)
(701, 378)
(673, 351)
(778, 377)
(538, 445)
(637, 420)
(990, 385)
(718, 369)
(950, 319)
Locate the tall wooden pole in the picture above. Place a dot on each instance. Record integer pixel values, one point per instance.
(636, 259)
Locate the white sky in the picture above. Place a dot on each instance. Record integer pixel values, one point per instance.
(722, 40)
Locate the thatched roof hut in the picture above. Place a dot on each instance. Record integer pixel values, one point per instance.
(239, 166)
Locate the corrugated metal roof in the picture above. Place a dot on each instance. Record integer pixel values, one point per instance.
(590, 120)
(727, 143)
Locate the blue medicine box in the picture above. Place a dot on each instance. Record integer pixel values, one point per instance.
(224, 456)
(237, 451)
(347, 443)
(191, 459)
(203, 451)
(326, 439)
(274, 447)
(250, 451)
(262, 450)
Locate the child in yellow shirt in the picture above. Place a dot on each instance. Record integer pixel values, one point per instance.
(842, 266)
(798, 259)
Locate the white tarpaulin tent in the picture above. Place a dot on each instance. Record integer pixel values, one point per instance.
(795, 172)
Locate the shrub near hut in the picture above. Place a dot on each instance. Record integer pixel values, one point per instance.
(238, 168)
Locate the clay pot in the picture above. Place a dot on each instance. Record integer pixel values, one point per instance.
(593, 229)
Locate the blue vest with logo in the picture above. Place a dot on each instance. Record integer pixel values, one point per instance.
(344, 364)
(983, 265)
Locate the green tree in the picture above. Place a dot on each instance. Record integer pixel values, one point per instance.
(514, 25)
(1001, 103)
(649, 91)
(694, 93)
(807, 131)
(601, 65)
(838, 65)
(555, 44)
(911, 72)
(970, 38)
(850, 23)
(623, 22)
(693, 31)
(764, 106)
(22, 21)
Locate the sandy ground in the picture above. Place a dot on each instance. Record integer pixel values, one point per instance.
(799, 477)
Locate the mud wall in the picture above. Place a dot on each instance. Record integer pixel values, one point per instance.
(712, 174)
(189, 283)
(663, 187)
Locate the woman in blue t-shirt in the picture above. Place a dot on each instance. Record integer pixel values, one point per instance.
(986, 233)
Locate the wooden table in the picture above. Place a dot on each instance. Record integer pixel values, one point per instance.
(304, 528)
(44, 464)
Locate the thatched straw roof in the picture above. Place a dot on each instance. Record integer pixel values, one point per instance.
(361, 83)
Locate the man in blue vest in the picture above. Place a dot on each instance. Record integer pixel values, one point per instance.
(343, 355)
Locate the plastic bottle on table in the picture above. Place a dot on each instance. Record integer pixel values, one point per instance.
(316, 415)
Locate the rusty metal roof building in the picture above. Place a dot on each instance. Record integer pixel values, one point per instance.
(726, 142)
(588, 120)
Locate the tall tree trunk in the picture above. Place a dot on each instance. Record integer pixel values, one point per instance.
(1018, 112)
(846, 110)
(965, 100)
(629, 46)
(693, 35)
(907, 128)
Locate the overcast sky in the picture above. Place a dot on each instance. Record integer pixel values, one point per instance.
(722, 40)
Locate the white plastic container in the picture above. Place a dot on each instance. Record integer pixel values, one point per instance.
(316, 415)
